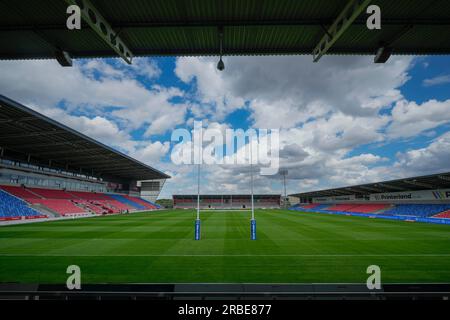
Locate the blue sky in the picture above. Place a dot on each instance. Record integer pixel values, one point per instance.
(342, 121)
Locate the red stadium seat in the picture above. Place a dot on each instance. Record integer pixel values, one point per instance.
(369, 208)
(445, 214)
(61, 206)
(51, 194)
(20, 192)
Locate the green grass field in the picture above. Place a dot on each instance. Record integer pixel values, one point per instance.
(292, 247)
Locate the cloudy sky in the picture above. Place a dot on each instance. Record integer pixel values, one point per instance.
(342, 121)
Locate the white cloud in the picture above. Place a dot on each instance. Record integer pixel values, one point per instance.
(410, 118)
(279, 86)
(151, 152)
(45, 83)
(431, 159)
(436, 81)
(215, 94)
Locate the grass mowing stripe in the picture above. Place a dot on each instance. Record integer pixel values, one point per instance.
(225, 255)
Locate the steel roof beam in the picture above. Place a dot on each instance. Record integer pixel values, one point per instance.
(389, 186)
(370, 188)
(31, 134)
(356, 190)
(340, 191)
(89, 154)
(18, 120)
(47, 144)
(347, 16)
(230, 23)
(445, 178)
(99, 24)
(419, 184)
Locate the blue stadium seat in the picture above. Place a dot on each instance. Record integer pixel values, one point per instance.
(126, 201)
(12, 207)
(417, 210)
(152, 203)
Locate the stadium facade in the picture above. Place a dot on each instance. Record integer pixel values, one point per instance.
(48, 169)
(423, 199)
(227, 201)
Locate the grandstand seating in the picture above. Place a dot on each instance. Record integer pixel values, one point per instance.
(89, 205)
(127, 202)
(12, 207)
(61, 206)
(76, 202)
(310, 206)
(88, 195)
(143, 203)
(368, 208)
(413, 210)
(20, 192)
(445, 214)
(417, 210)
(51, 194)
(341, 207)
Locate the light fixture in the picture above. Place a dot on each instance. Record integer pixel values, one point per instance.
(383, 54)
(220, 64)
(63, 57)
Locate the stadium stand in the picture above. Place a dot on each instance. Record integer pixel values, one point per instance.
(320, 207)
(417, 210)
(61, 206)
(127, 202)
(20, 192)
(310, 206)
(90, 206)
(422, 198)
(12, 208)
(143, 203)
(51, 194)
(413, 210)
(47, 174)
(64, 202)
(369, 208)
(89, 195)
(445, 214)
(227, 201)
(341, 207)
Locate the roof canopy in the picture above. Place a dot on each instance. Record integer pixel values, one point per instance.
(430, 182)
(25, 131)
(37, 29)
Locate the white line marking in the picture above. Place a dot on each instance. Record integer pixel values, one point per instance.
(221, 255)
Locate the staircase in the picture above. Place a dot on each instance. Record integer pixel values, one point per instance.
(37, 195)
(83, 207)
(385, 209)
(50, 213)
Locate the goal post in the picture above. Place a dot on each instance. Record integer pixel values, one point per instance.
(252, 221)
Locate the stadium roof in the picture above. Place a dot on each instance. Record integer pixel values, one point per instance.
(37, 29)
(430, 182)
(28, 132)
